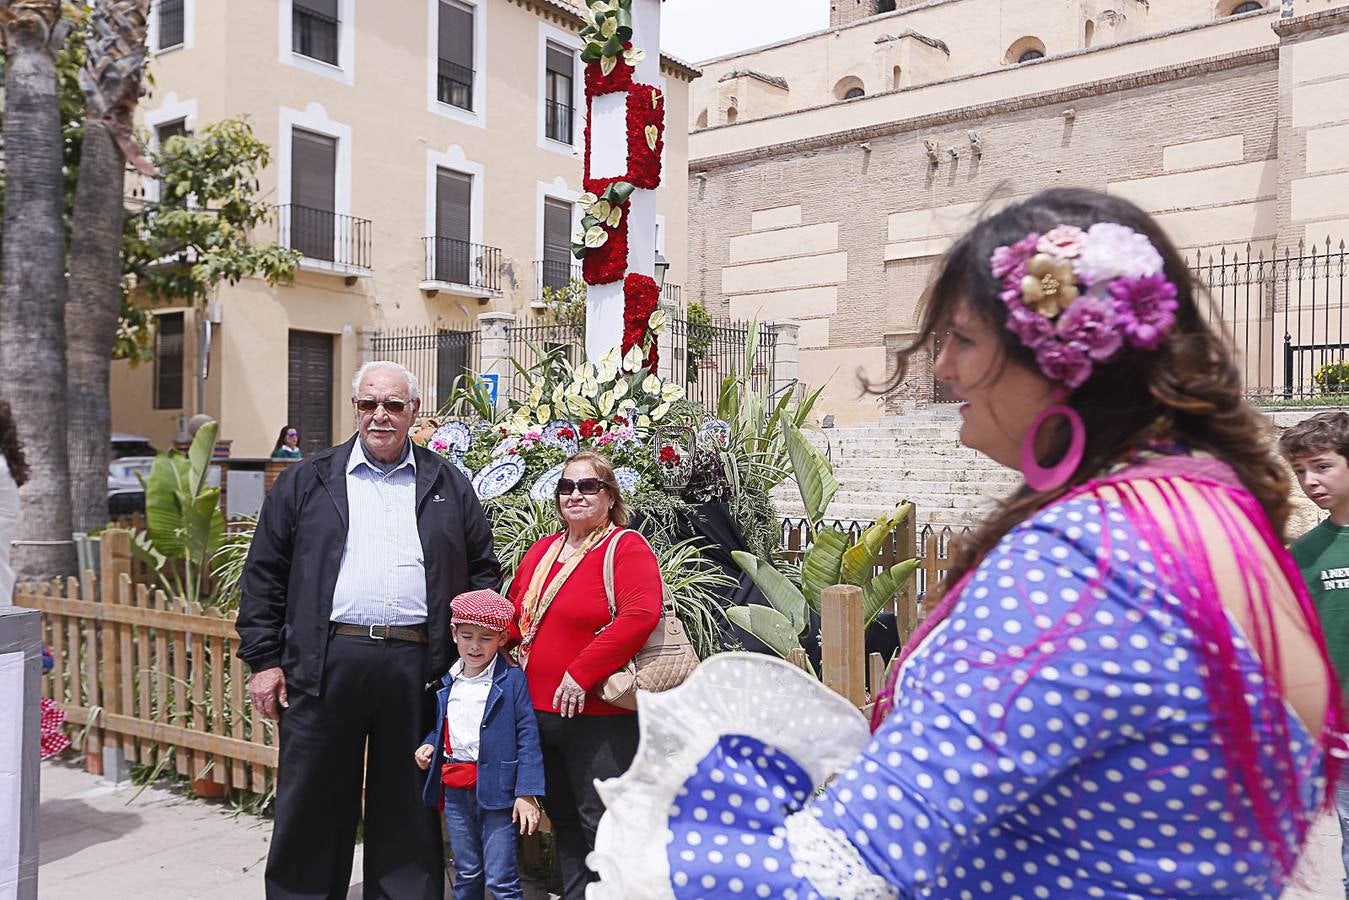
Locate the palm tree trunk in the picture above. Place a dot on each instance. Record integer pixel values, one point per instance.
(111, 79)
(33, 288)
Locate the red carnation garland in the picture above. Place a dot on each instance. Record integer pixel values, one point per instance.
(620, 79)
(606, 263)
(646, 107)
(641, 295)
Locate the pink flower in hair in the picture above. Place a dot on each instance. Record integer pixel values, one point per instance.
(1005, 259)
(1146, 308)
(1064, 242)
(1115, 251)
(1067, 363)
(1092, 323)
(1032, 328)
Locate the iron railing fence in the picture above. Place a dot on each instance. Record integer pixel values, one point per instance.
(530, 342)
(1284, 315)
(703, 355)
(558, 119)
(437, 358)
(454, 84)
(314, 34)
(453, 261)
(554, 274)
(322, 234)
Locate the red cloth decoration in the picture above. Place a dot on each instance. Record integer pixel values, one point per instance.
(641, 295)
(607, 263)
(486, 608)
(568, 642)
(643, 162)
(620, 79)
(51, 738)
(457, 774)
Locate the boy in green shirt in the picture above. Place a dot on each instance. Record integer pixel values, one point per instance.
(1318, 450)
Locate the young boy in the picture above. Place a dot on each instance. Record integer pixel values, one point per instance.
(1318, 449)
(485, 764)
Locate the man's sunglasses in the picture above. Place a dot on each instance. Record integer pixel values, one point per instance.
(587, 486)
(393, 406)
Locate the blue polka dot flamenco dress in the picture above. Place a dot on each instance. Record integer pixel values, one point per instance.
(1052, 737)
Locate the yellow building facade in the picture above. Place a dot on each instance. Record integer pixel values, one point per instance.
(425, 159)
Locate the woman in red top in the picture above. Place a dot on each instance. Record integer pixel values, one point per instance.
(569, 646)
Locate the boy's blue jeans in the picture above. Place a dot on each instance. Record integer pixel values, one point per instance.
(1342, 808)
(484, 842)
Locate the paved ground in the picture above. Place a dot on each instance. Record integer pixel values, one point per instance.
(98, 840)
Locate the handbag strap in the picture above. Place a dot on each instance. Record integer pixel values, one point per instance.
(666, 601)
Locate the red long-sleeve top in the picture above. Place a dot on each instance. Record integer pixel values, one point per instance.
(566, 639)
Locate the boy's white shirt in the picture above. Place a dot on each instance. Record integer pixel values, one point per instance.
(464, 711)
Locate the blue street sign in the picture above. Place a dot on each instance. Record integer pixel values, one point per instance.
(492, 381)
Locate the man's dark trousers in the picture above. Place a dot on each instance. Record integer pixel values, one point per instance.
(373, 690)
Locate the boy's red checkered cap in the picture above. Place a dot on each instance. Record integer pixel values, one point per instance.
(486, 608)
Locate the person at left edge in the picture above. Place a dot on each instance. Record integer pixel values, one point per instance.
(344, 618)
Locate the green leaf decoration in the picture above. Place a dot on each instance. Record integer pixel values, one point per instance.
(776, 588)
(883, 587)
(814, 475)
(588, 222)
(618, 192)
(768, 625)
(613, 47)
(820, 567)
(592, 52)
(623, 19)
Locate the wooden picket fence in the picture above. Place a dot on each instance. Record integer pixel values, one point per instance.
(153, 675)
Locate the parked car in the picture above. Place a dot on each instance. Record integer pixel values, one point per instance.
(132, 454)
(124, 445)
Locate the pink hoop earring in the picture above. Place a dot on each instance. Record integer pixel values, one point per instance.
(1047, 478)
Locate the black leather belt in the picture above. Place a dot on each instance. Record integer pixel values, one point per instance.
(414, 633)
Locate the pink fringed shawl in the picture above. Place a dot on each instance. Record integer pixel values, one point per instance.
(1182, 566)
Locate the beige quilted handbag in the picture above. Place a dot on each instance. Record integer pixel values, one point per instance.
(665, 660)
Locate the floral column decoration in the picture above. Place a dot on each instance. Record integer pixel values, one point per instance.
(624, 139)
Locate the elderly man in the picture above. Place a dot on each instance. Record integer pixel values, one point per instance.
(344, 619)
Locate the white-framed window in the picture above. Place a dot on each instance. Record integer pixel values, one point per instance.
(558, 216)
(173, 116)
(454, 216)
(456, 61)
(314, 184)
(171, 25)
(318, 36)
(561, 91)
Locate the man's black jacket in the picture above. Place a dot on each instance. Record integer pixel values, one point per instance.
(288, 579)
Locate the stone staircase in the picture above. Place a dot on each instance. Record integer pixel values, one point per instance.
(915, 457)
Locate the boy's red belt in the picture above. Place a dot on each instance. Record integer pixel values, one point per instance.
(457, 774)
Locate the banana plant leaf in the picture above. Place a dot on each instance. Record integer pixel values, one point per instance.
(884, 586)
(163, 511)
(768, 625)
(820, 567)
(859, 562)
(199, 456)
(814, 475)
(777, 589)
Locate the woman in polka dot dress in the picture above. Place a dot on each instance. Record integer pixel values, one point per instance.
(1123, 691)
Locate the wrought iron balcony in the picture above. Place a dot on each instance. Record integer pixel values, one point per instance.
(461, 267)
(329, 241)
(558, 119)
(554, 275)
(454, 84)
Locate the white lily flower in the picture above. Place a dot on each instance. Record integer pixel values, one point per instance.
(620, 389)
(659, 321)
(651, 384)
(634, 56)
(600, 209)
(643, 421)
(634, 359)
(615, 217)
(671, 392)
(545, 413)
(587, 200)
(659, 412)
(607, 403)
(596, 237)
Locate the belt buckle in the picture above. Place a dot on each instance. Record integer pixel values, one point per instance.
(381, 635)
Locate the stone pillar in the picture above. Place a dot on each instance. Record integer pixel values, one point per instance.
(786, 354)
(665, 345)
(494, 350)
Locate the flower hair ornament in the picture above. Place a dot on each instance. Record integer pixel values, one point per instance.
(1078, 298)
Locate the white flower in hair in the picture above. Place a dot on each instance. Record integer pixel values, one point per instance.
(1116, 251)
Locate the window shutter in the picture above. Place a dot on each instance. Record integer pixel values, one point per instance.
(326, 8)
(169, 361)
(454, 205)
(456, 34)
(557, 258)
(313, 167)
(170, 26)
(560, 62)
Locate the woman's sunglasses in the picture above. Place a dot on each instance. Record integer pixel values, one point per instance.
(292, 434)
(587, 486)
(393, 406)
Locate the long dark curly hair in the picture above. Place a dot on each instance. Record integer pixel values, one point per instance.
(1189, 389)
(9, 445)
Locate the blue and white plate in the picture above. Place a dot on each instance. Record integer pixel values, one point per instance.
(456, 435)
(628, 479)
(459, 464)
(480, 428)
(544, 488)
(552, 436)
(717, 431)
(498, 477)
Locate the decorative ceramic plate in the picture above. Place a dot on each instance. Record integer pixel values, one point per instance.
(456, 435)
(459, 464)
(716, 431)
(498, 477)
(482, 427)
(552, 436)
(544, 488)
(628, 479)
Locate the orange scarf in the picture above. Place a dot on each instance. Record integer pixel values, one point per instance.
(543, 590)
